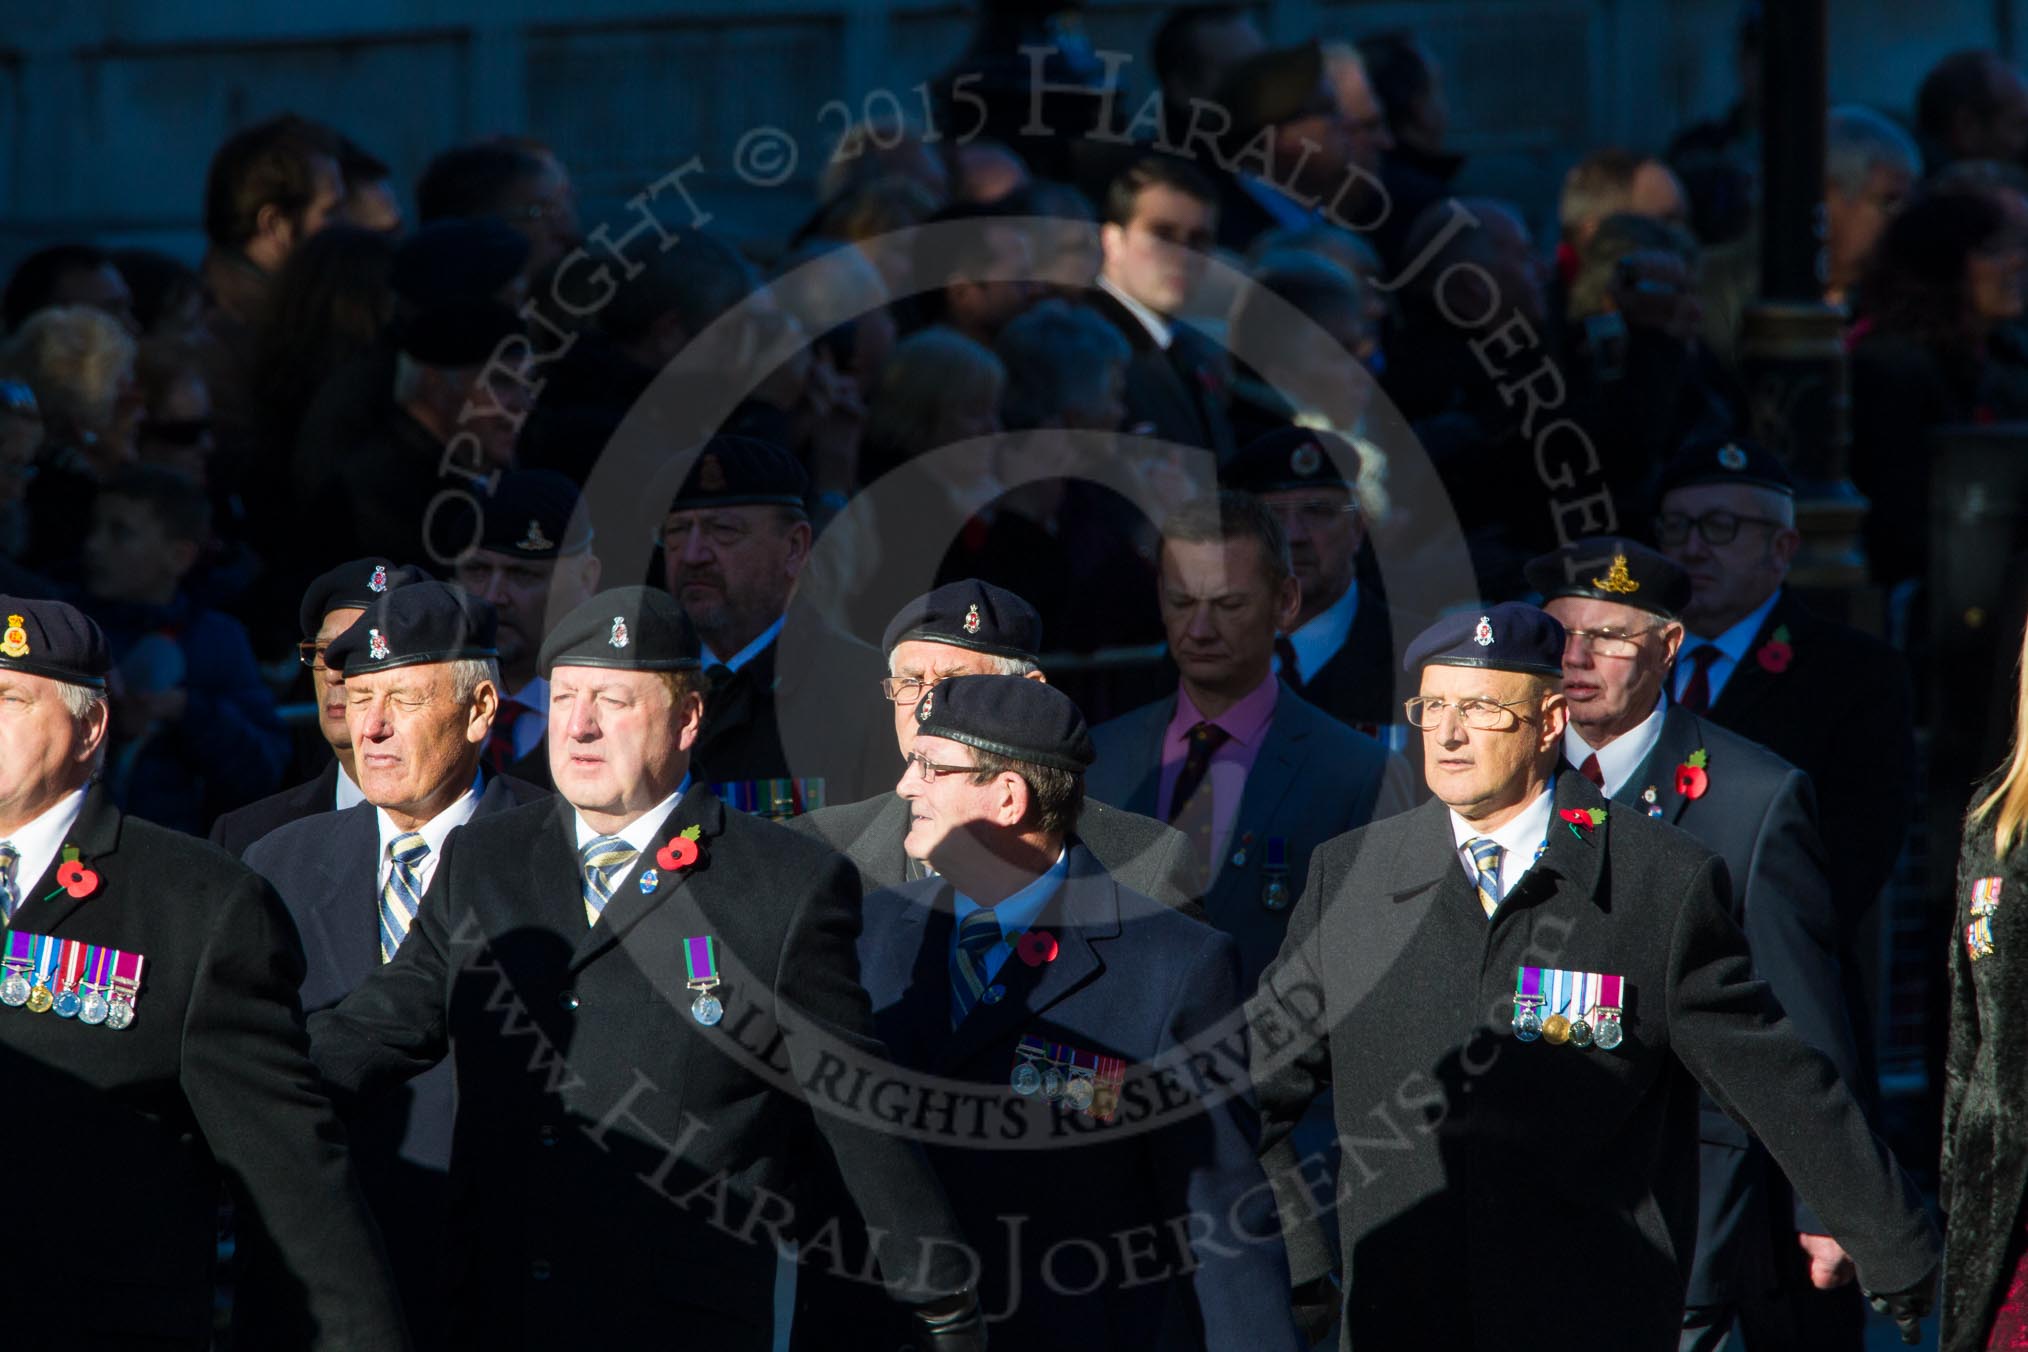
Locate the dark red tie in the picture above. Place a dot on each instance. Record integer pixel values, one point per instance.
(500, 745)
(1190, 805)
(1697, 690)
(1591, 771)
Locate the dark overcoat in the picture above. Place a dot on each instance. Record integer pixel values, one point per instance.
(235, 830)
(621, 1173)
(1502, 1194)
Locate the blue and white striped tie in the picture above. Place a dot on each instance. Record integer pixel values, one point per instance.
(606, 861)
(1486, 852)
(10, 887)
(978, 935)
(401, 894)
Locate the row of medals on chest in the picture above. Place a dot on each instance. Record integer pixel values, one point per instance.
(109, 1004)
(1601, 1030)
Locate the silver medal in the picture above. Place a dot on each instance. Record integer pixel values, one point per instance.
(14, 990)
(120, 1014)
(96, 1007)
(706, 1009)
(1026, 1079)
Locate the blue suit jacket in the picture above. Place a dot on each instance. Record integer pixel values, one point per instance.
(1314, 779)
(1132, 979)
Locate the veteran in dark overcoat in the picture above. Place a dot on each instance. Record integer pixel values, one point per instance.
(637, 983)
(1516, 991)
(156, 1059)
(972, 628)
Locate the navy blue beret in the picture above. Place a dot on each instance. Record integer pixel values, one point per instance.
(407, 626)
(969, 614)
(1611, 568)
(736, 471)
(1735, 461)
(53, 639)
(1506, 637)
(1008, 716)
(1292, 458)
(354, 585)
(625, 629)
(465, 258)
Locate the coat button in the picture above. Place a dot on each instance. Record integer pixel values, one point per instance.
(539, 1270)
(546, 1134)
(568, 1000)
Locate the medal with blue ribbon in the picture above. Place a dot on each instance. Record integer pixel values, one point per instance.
(46, 952)
(700, 955)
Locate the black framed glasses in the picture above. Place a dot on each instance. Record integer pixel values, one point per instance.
(1717, 528)
(311, 653)
(929, 769)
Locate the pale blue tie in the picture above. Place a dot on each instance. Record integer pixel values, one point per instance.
(978, 935)
(401, 894)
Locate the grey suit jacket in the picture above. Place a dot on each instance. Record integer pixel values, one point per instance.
(1314, 779)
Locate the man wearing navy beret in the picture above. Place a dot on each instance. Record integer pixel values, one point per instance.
(421, 689)
(151, 1044)
(1515, 991)
(973, 628)
(638, 985)
(1055, 996)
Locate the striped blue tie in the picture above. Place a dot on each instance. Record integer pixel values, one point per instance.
(401, 894)
(978, 936)
(1486, 853)
(606, 861)
(10, 888)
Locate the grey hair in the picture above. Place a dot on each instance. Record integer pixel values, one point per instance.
(468, 672)
(1857, 139)
(81, 702)
(996, 665)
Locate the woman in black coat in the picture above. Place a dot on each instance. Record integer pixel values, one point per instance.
(1985, 1148)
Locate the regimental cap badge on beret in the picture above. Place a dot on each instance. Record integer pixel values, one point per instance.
(972, 619)
(1306, 459)
(1617, 580)
(1483, 635)
(376, 645)
(618, 637)
(15, 642)
(711, 475)
(534, 541)
(1732, 457)
(922, 710)
(378, 582)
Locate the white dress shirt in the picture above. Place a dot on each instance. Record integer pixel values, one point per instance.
(1320, 637)
(1157, 327)
(642, 833)
(434, 831)
(1619, 758)
(1731, 645)
(39, 841)
(348, 793)
(1519, 839)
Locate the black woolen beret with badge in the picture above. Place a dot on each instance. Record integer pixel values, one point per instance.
(354, 585)
(1611, 568)
(737, 471)
(623, 629)
(53, 639)
(1506, 637)
(969, 614)
(528, 514)
(1009, 716)
(1732, 461)
(1292, 458)
(408, 626)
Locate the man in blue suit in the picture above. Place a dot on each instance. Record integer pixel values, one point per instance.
(421, 690)
(1255, 775)
(1095, 1140)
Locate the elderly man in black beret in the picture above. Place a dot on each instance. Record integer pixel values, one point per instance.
(151, 1038)
(1618, 602)
(532, 559)
(736, 540)
(973, 628)
(1057, 1008)
(1515, 991)
(638, 984)
(330, 605)
(421, 690)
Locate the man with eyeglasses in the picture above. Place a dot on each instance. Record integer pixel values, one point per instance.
(1112, 1200)
(734, 544)
(1514, 993)
(330, 605)
(1339, 652)
(1618, 601)
(973, 628)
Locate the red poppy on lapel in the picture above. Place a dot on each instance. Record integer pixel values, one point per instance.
(73, 876)
(1776, 654)
(1036, 947)
(681, 851)
(1582, 820)
(1691, 777)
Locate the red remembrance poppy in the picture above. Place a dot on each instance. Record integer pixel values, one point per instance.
(76, 879)
(1775, 656)
(679, 853)
(1036, 947)
(1691, 781)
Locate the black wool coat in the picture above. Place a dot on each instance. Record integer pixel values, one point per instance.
(1500, 1194)
(620, 1173)
(1985, 1139)
(122, 1141)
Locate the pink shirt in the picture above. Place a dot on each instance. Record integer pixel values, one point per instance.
(1246, 723)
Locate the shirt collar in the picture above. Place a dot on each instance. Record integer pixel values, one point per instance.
(1735, 641)
(750, 651)
(1157, 327)
(534, 696)
(349, 794)
(1244, 722)
(641, 834)
(1619, 758)
(38, 841)
(1320, 637)
(436, 828)
(1020, 911)
(1520, 836)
